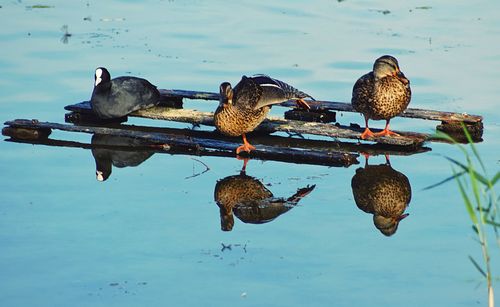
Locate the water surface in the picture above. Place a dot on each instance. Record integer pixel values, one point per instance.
(151, 235)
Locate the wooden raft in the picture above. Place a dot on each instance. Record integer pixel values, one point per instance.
(36, 132)
(447, 117)
(411, 140)
(451, 122)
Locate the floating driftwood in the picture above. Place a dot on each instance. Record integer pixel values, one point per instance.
(22, 134)
(270, 125)
(340, 106)
(315, 124)
(189, 144)
(451, 122)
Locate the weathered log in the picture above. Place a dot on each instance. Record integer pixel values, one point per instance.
(270, 125)
(280, 141)
(311, 115)
(203, 145)
(456, 131)
(340, 106)
(27, 133)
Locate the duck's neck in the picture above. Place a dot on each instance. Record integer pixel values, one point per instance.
(102, 87)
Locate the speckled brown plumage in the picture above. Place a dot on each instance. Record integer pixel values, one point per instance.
(243, 108)
(383, 192)
(382, 93)
(235, 121)
(251, 201)
(233, 190)
(381, 99)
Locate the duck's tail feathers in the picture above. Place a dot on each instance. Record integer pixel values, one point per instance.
(301, 193)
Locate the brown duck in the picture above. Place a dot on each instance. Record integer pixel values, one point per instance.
(243, 108)
(383, 192)
(251, 201)
(381, 94)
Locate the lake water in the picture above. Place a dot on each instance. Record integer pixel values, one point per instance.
(151, 235)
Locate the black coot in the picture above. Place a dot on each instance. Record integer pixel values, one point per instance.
(121, 96)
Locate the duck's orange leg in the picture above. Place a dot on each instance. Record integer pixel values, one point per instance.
(367, 133)
(387, 161)
(386, 131)
(244, 167)
(367, 156)
(246, 146)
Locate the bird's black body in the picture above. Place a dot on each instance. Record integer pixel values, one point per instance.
(121, 96)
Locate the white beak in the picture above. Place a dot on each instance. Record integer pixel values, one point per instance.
(99, 176)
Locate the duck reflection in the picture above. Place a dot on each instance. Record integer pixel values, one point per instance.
(383, 192)
(249, 199)
(118, 151)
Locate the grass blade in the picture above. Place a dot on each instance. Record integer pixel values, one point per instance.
(443, 181)
(477, 266)
(444, 136)
(493, 223)
(466, 168)
(473, 147)
(475, 190)
(495, 179)
(468, 204)
(476, 231)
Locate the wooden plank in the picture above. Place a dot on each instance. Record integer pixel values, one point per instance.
(340, 106)
(271, 125)
(40, 137)
(256, 138)
(200, 145)
(189, 94)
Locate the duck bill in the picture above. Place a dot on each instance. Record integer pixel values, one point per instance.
(225, 103)
(401, 217)
(402, 77)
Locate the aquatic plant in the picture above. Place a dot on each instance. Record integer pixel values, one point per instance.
(480, 200)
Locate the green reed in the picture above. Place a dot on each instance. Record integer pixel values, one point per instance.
(480, 200)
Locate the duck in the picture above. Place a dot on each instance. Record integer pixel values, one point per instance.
(383, 192)
(381, 94)
(118, 97)
(242, 108)
(251, 201)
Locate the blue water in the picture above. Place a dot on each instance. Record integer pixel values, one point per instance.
(150, 236)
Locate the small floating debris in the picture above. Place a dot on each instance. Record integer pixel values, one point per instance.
(385, 12)
(39, 6)
(66, 35)
(106, 19)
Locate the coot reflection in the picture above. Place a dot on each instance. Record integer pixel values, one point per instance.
(383, 192)
(249, 199)
(119, 151)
